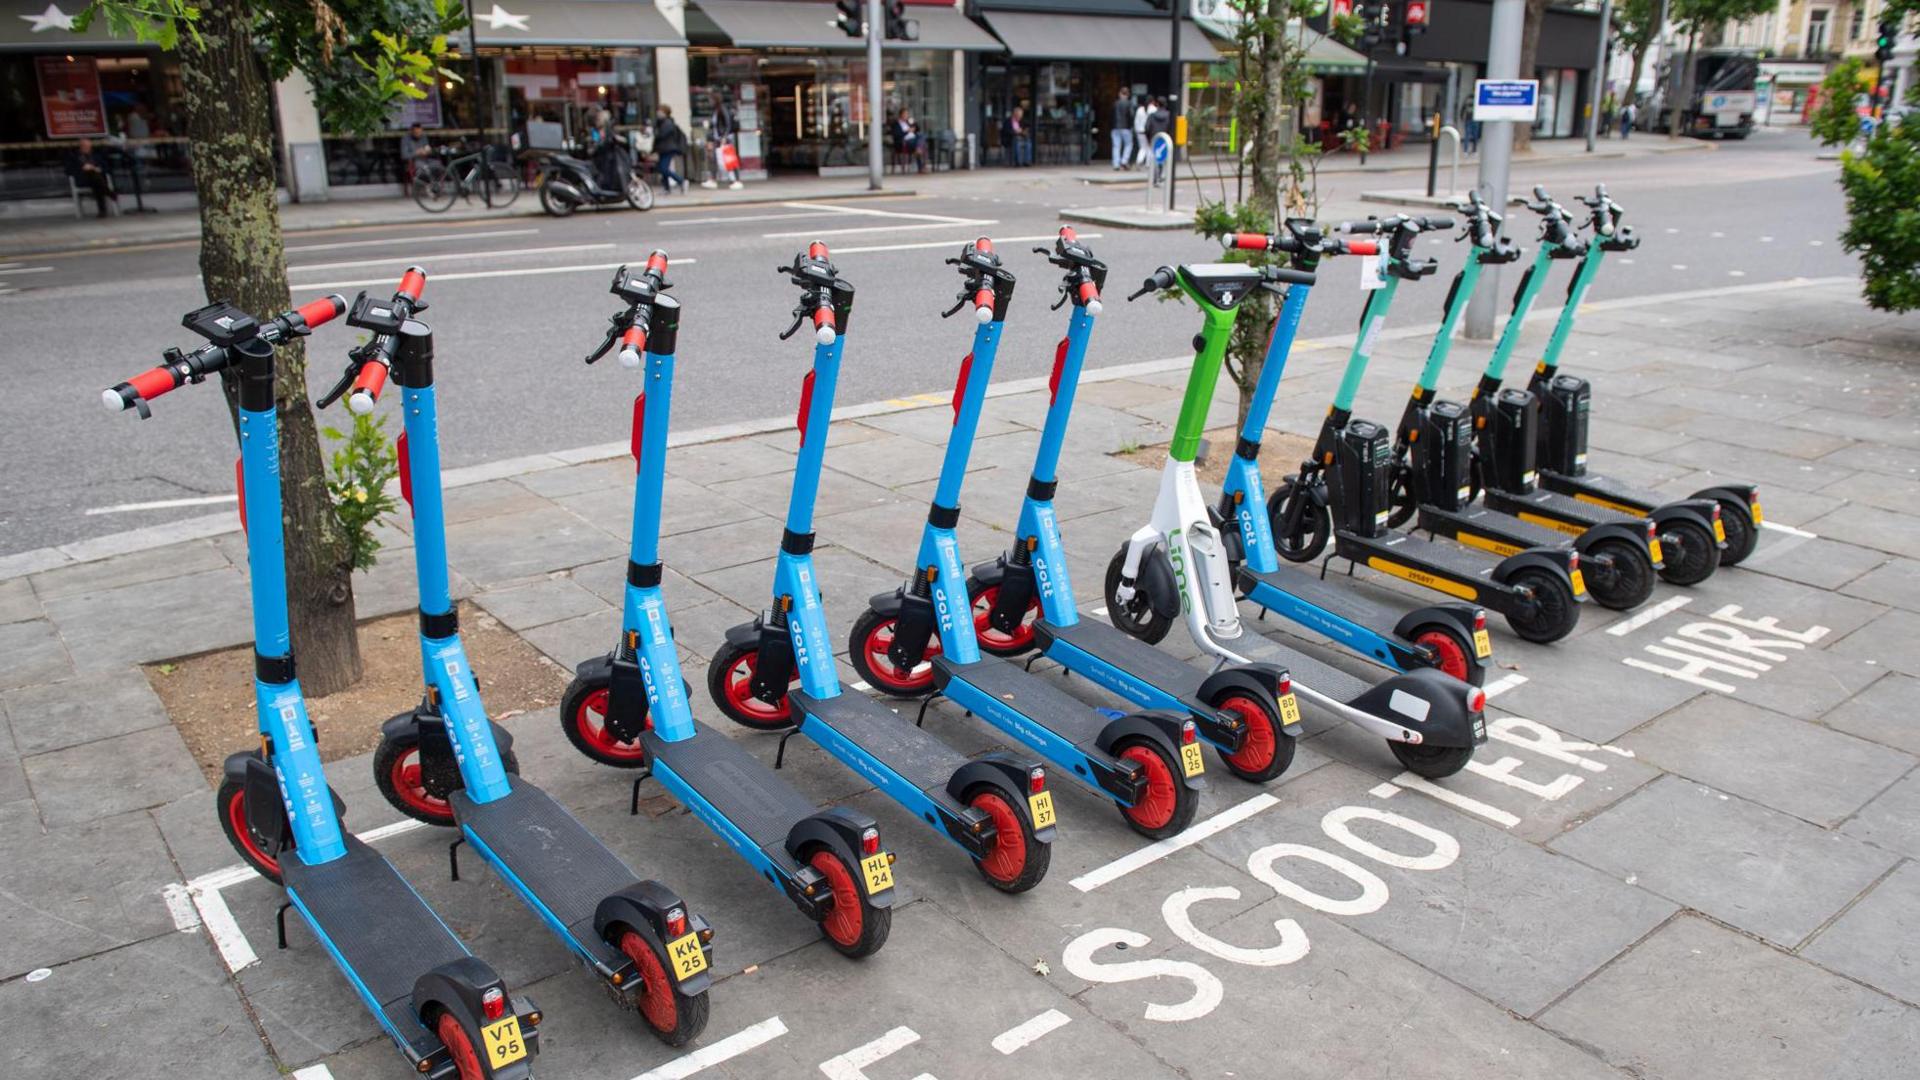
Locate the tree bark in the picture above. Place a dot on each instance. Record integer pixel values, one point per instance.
(1271, 139)
(1639, 66)
(1529, 51)
(243, 260)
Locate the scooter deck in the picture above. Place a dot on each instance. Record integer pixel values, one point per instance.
(1440, 555)
(1131, 655)
(1491, 524)
(1341, 601)
(745, 791)
(1604, 487)
(1553, 504)
(925, 762)
(378, 928)
(552, 855)
(1032, 697)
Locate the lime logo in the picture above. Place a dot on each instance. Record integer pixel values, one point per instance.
(1176, 553)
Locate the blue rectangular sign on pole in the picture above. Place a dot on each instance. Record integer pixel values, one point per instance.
(1506, 99)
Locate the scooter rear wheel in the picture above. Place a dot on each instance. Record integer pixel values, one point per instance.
(1742, 534)
(853, 927)
(673, 1019)
(401, 778)
(1018, 861)
(1167, 806)
(1452, 652)
(583, 717)
(1554, 612)
(466, 1060)
(231, 803)
(1432, 762)
(1692, 555)
(995, 641)
(730, 684)
(872, 636)
(1135, 617)
(1627, 579)
(1312, 525)
(1268, 750)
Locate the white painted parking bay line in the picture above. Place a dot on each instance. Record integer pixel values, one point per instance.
(472, 274)
(339, 245)
(714, 1053)
(1789, 530)
(158, 504)
(949, 243)
(1639, 619)
(508, 253)
(1503, 684)
(1025, 1034)
(313, 1072)
(1160, 849)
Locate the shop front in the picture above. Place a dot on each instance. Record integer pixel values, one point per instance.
(797, 85)
(59, 86)
(1212, 127)
(1066, 62)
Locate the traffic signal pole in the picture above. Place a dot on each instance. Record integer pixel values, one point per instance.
(1496, 152)
(1600, 71)
(876, 26)
(1173, 105)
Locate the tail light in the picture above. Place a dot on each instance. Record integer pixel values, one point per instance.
(1476, 700)
(677, 923)
(1652, 530)
(1573, 561)
(1036, 780)
(1187, 733)
(493, 1003)
(870, 842)
(1753, 497)
(1286, 687)
(1716, 511)
(1480, 618)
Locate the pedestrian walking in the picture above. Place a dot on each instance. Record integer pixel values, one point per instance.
(1020, 136)
(669, 142)
(1140, 114)
(720, 137)
(1159, 122)
(1608, 106)
(1122, 134)
(1628, 114)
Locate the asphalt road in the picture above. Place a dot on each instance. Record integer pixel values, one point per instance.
(516, 304)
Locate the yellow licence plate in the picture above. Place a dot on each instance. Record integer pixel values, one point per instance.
(1758, 517)
(878, 872)
(1653, 551)
(687, 956)
(1190, 760)
(1719, 530)
(1289, 711)
(1040, 804)
(1579, 584)
(1482, 644)
(504, 1044)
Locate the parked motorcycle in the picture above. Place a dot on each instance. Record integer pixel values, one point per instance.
(569, 183)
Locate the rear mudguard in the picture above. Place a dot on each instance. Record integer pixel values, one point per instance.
(1007, 776)
(1156, 580)
(1158, 726)
(455, 987)
(266, 810)
(913, 627)
(1457, 617)
(1557, 561)
(643, 906)
(1698, 510)
(837, 829)
(1427, 702)
(1257, 680)
(1633, 534)
(1743, 494)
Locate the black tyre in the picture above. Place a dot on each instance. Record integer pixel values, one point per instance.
(853, 926)
(1137, 616)
(1742, 534)
(1018, 861)
(1268, 749)
(1552, 614)
(433, 187)
(403, 781)
(639, 192)
(1690, 550)
(1432, 762)
(730, 684)
(1626, 579)
(869, 645)
(1017, 642)
(1400, 497)
(1168, 806)
(553, 202)
(583, 718)
(672, 1018)
(1311, 525)
(230, 802)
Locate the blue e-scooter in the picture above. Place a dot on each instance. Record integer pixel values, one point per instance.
(445, 1009)
(629, 708)
(996, 808)
(445, 763)
(1147, 762)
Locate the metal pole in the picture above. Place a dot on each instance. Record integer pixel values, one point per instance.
(876, 26)
(1603, 54)
(1366, 110)
(1173, 101)
(1496, 151)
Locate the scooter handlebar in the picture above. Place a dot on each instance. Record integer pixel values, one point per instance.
(1160, 281)
(814, 274)
(210, 359)
(375, 361)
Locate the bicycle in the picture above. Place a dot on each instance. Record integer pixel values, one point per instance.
(436, 183)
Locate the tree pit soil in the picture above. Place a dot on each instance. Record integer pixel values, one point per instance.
(1280, 455)
(210, 696)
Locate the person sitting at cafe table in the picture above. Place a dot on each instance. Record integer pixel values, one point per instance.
(89, 169)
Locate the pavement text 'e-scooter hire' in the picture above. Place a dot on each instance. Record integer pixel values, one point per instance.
(996, 807)
(1565, 399)
(1148, 762)
(1343, 492)
(1448, 635)
(445, 1009)
(1025, 598)
(1433, 459)
(629, 707)
(446, 763)
(1181, 561)
(1506, 423)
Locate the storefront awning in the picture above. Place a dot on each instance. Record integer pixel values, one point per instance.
(47, 26)
(1326, 56)
(809, 24)
(1036, 36)
(601, 24)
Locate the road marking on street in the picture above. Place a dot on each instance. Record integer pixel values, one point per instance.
(483, 234)
(714, 1053)
(158, 504)
(1816, 243)
(1025, 1034)
(16, 268)
(1789, 530)
(1641, 618)
(1503, 684)
(1679, 266)
(313, 1072)
(1415, 782)
(917, 225)
(470, 275)
(11, 266)
(508, 253)
(852, 1064)
(1160, 849)
(1736, 273)
(869, 211)
(949, 243)
(1766, 239)
(746, 217)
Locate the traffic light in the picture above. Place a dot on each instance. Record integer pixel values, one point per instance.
(1883, 45)
(899, 27)
(1372, 15)
(850, 21)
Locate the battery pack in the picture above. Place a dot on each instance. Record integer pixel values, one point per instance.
(1445, 456)
(1364, 464)
(1563, 425)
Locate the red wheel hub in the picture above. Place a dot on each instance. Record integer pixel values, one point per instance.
(992, 638)
(1157, 803)
(843, 923)
(237, 817)
(1009, 855)
(466, 1060)
(592, 722)
(410, 784)
(658, 1004)
(1256, 752)
(910, 680)
(1448, 651)
(740, 692)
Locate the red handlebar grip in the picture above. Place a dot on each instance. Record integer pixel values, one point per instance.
(1363, 247)
(318, 312)
(413, 282)
(983, 298)
(816, 250)
(1089, 292)
(1067, 234)
(367, 385)
(657, 262)
(822, 317)
(1250, 241)
(983, 245)
(153, 382)
(635, 339)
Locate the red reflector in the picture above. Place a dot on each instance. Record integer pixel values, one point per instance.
(1187, 732)
(676, 923)
(1573, 561)
(1036, 779)
(1480, 620)
(870, 842)
(1716, 511)
(1476, 700)
(494, 1003)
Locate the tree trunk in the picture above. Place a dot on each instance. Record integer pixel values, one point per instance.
(1529, 50)
(1270, 145)
(1639, 66)
(242, 260)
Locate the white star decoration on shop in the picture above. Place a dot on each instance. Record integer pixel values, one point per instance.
(500, 17)
(51, 19)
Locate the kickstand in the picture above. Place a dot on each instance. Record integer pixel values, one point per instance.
(453, 858)
(780, 753)
(280, 921)
(633, 804)
(921, 720)
(1031, 660)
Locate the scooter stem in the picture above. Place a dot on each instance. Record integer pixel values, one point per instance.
(1456, 306)
(1510, 334)
(1563, 327)
(1371, 320)
(1279, 346)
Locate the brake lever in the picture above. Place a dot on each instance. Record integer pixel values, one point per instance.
(957, 305)
(355, 361)
(1058, 304)
(799, 316)
(616, 325)
(1142, 291)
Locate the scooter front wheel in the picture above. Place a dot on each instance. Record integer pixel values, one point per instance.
(870, 641)
(1167, 806)
(402, 779)
(231, 804)
(1551, 615)
(459, 1044)
(1627, 578)
(673, 1019)
(1431, 762)
(730, 684)
(1017, 861)
(1692, 555)
(1016, 642)
(1135, 617)
(583, 717)
(1267, 750)
(1300, 527)
(854, 927)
